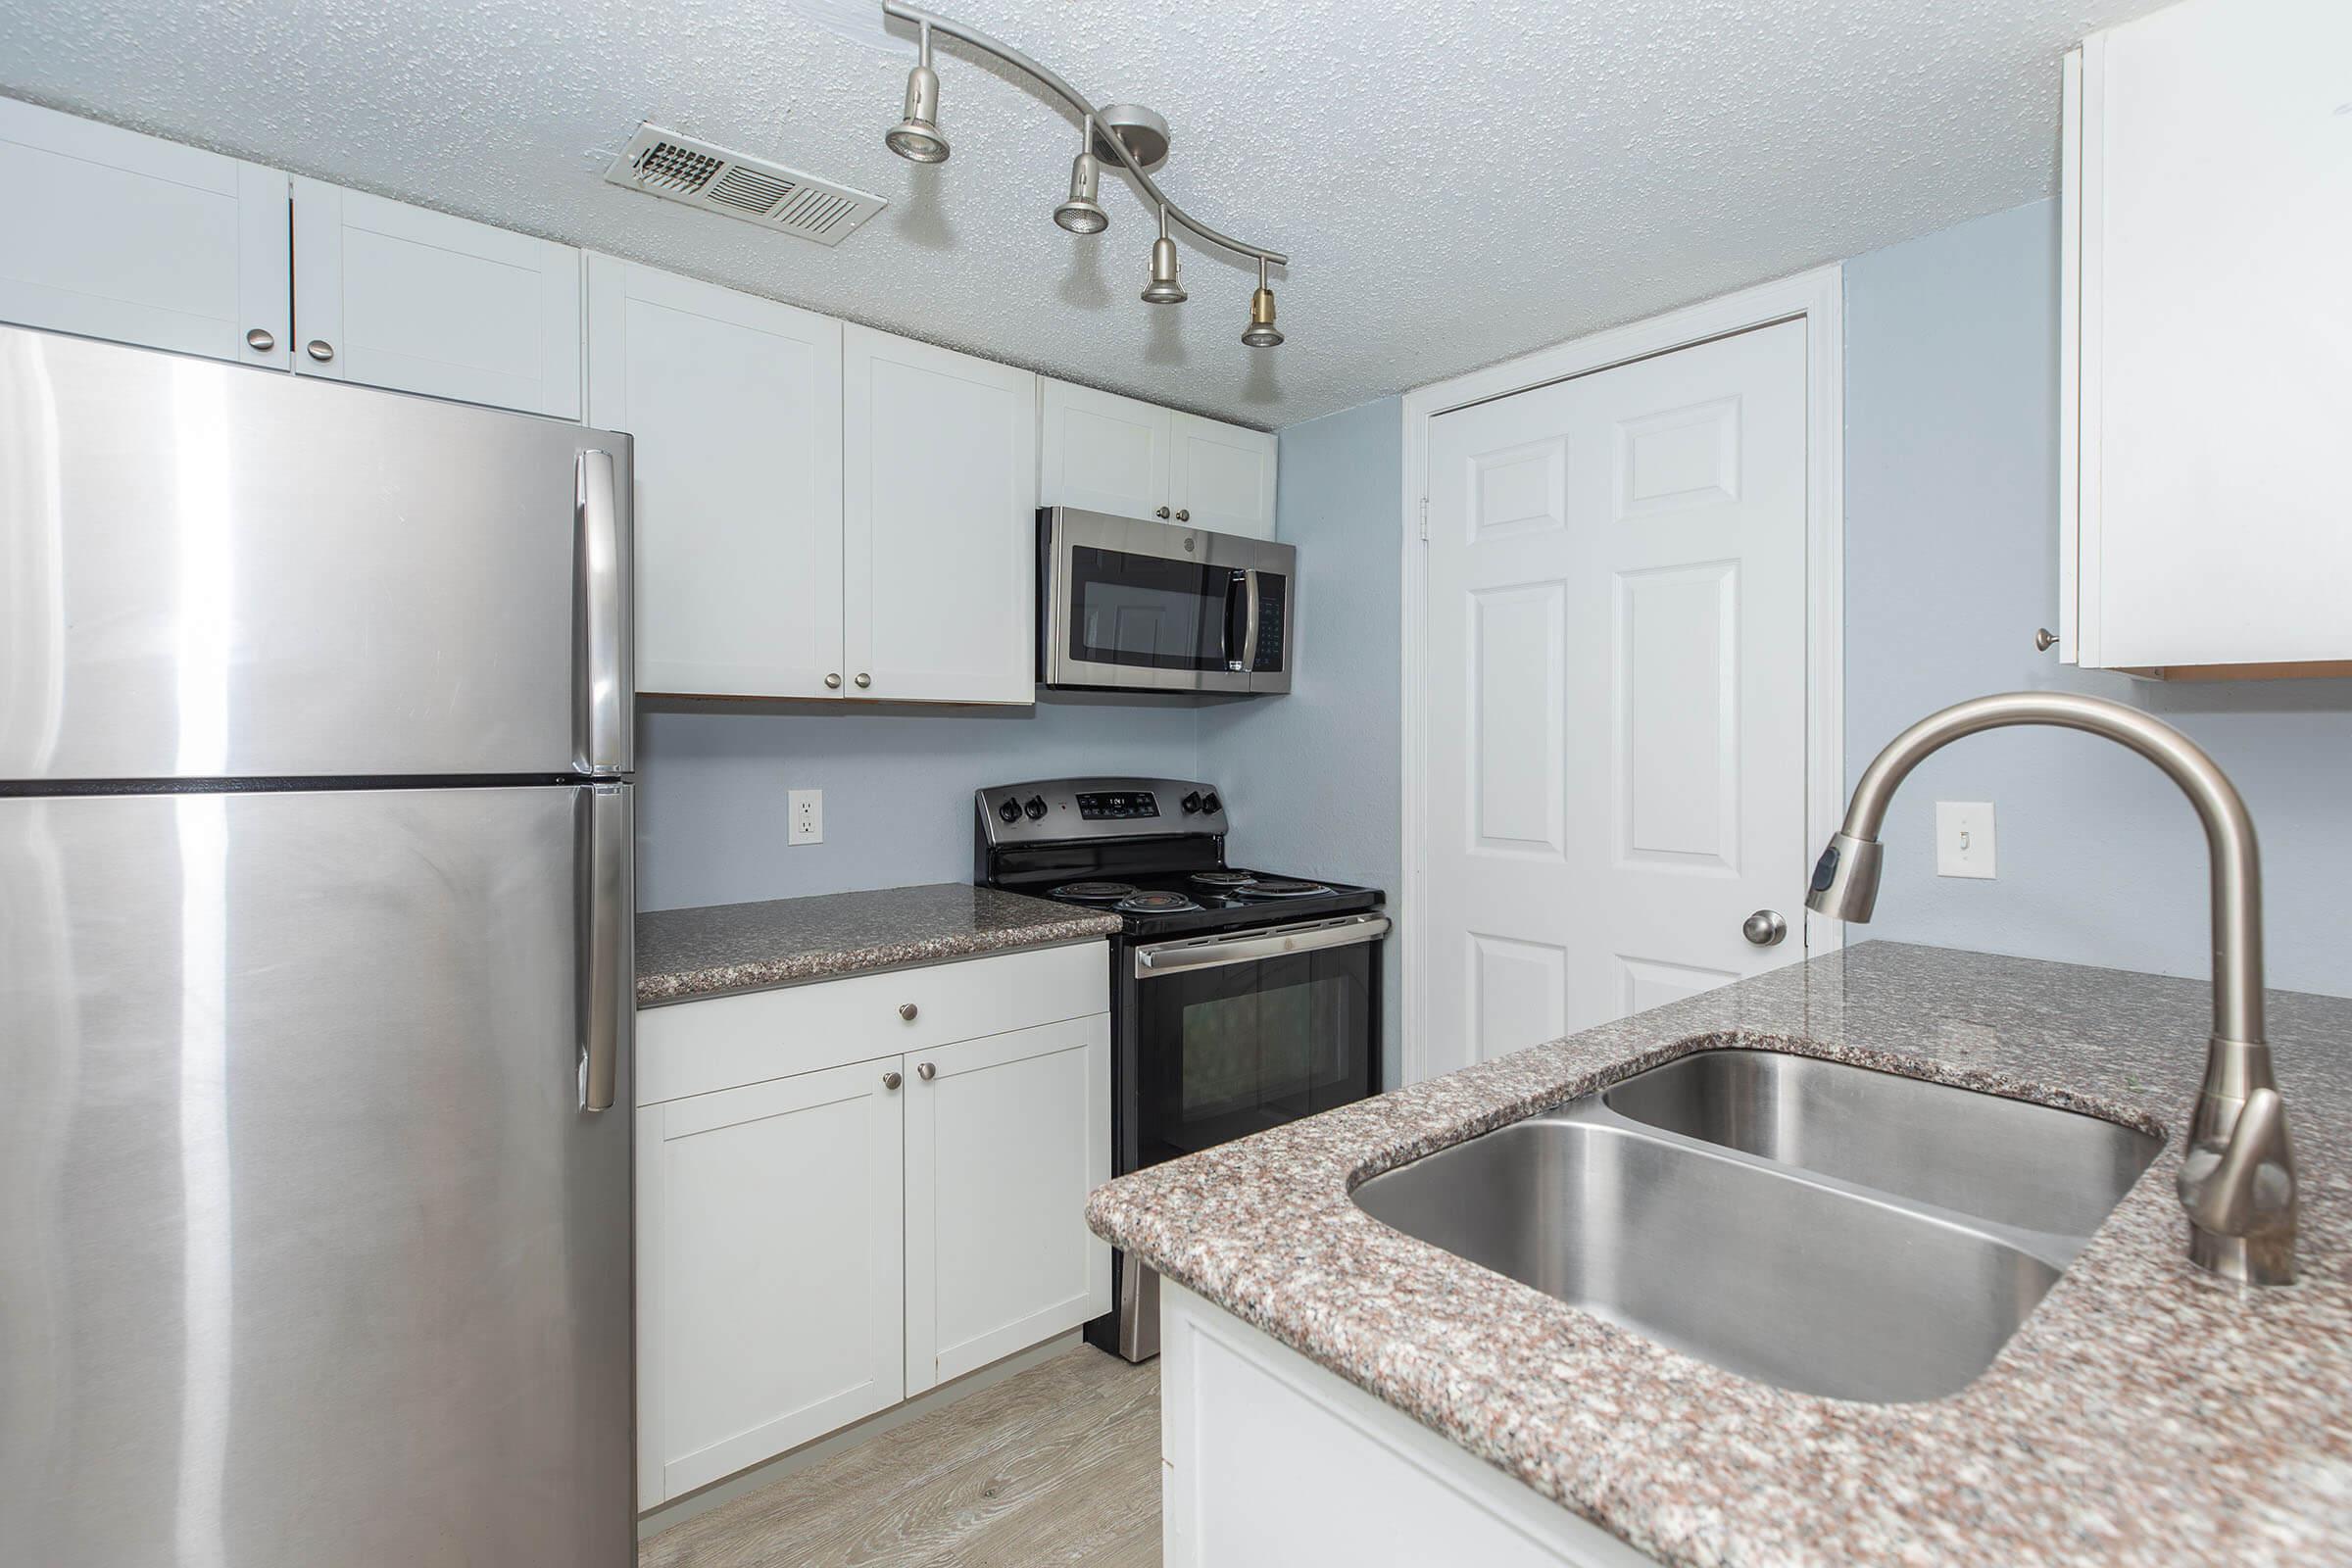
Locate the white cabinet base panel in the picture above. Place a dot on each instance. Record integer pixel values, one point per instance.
(1270, 1461)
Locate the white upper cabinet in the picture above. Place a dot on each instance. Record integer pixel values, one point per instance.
(1101, 452)
(735, 402)
(114, 235)
(939, 523)
(418, 300)
(2207, 341)
(1221, 476)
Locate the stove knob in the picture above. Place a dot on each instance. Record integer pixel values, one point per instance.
(1010, 810)
(1036, 807)
(1190, 803)
(1211, 805)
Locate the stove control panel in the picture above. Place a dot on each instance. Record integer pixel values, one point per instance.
(1077, 809)
(1100, 806)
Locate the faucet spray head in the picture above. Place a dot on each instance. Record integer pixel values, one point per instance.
(1845, 879)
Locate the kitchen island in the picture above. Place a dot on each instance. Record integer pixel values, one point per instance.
(2145, 1412)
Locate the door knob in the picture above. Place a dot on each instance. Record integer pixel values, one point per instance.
(260, 341)
(2044, 640)
(925, 1071)
(906, 1010)
(1764, 928)
(1161, 512)
(864, 680)
(320, 349)
(891, 1080)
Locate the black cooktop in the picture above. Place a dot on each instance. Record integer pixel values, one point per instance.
(1212, 898)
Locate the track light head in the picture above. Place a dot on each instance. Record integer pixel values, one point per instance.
(1163, 289)
(1082, 214)
(1261, 333)
(917, 137)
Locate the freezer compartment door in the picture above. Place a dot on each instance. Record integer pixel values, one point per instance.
(213, 572)
(311, 1250)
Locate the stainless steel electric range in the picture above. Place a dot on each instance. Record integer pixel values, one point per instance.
(1240, 999)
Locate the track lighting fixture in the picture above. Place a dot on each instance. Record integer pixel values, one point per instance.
(1163, 289)
(1261, 333)
(1132, 137)
(1082, 214)
(915, 137)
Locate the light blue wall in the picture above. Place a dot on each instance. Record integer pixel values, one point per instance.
(1314, 777)
(897, 787)
(1951, 471)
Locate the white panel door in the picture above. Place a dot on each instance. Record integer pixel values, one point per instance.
(769, 1228)
(1099, 452)
(939, 523)
(419, 301)
(1616, 700)
(1006, 1136)
(735, 402)
(1221, 475)
(114, 235)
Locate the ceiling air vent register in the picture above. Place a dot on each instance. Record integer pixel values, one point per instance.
(679, 169)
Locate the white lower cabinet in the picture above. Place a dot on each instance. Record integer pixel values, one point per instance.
(999, 1133)
(902, 1203)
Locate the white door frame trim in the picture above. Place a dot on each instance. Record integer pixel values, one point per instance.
(1817, 298)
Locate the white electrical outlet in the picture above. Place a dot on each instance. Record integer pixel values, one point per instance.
(807, 818)
(1964, 838)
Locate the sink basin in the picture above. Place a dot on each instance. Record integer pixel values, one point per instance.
(2032, 1166)
(1690, 1205)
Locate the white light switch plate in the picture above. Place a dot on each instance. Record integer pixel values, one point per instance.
(807, 818)
(1964, 838)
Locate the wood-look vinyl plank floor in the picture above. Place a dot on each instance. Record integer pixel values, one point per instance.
(1056, 1464)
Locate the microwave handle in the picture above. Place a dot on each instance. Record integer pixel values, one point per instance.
(1253, 592)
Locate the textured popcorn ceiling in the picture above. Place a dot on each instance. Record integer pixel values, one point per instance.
(1455, 182)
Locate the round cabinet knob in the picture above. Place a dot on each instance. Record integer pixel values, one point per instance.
(832, 683)
(1764, 928)
(925, 1071)
(1183, 515)
(906, 1010)
(1009, 809)
(1160, 512)
(2044, 640)
(260, 341)
(864, 680)
(891, 1080)
(320, 349)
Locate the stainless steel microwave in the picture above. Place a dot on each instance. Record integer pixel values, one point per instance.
(1125, 605)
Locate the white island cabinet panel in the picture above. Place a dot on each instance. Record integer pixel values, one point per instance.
(1006, 1136)
(769, 1270)
(939, 523)
(395, 296)
(735, 402)
(115, 235)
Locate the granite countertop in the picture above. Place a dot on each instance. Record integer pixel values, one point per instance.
(723, 948)
(2146, 1412)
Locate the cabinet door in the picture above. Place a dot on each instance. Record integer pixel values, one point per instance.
(1223, 476)
(769, 1228)
(1004, 1140)
(419, 301)
(735, 402)
(1101, 452)
(121, 236)
(939, 523)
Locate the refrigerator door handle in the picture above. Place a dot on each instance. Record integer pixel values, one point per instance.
(608, 987)
(601, 676)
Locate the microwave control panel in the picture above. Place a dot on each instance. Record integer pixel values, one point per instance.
(1273, 599)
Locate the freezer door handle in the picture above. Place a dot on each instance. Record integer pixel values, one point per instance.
(602, 677)
(608, 1003)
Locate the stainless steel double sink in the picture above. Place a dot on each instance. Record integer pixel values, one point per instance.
(1822, 1227)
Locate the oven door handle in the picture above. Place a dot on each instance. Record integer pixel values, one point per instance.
(1213, 953)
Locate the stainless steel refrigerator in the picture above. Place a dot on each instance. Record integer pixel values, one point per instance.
(314, 973)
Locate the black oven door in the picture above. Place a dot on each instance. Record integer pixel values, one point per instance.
(1239, 1033)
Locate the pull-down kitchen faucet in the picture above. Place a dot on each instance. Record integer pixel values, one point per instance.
(2237, 1180)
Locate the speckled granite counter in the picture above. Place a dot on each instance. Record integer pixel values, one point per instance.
(721, 948)
(2146, 1413)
